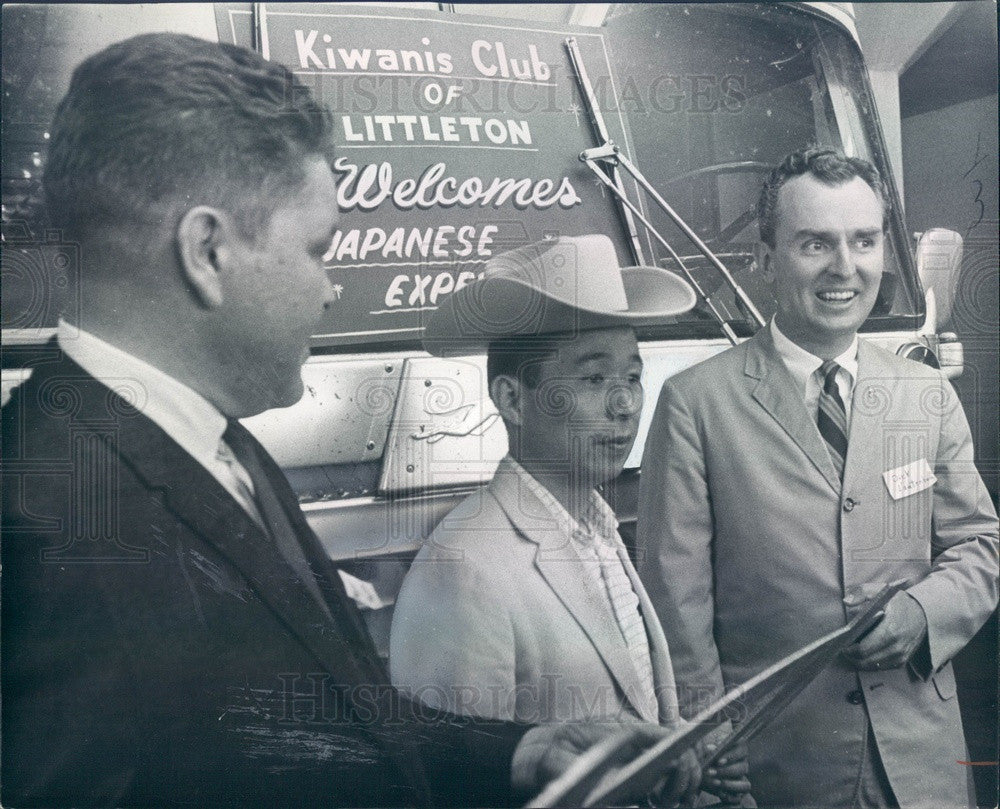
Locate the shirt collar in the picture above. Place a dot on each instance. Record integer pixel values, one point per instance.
(186, 416)
(802, 364)
(600, 520)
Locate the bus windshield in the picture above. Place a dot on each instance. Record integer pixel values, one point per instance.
(704, 98)
(716, 95)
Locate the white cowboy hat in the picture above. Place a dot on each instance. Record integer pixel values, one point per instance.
(556, 286)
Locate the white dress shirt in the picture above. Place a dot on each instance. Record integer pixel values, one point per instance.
(804, 369)
(184, 415)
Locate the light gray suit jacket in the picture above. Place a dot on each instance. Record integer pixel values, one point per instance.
(750, 549)
(498, 617)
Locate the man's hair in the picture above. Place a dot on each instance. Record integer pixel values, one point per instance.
(828, 166)
(518, 358)
(167, 120)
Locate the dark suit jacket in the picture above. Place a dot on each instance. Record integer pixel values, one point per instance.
(157, 649)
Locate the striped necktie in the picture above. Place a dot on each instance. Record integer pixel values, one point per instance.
(831, 416)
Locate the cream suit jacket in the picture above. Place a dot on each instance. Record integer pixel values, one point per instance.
(498, 617)
(750, 548)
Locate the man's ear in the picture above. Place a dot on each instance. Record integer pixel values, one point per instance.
(203, 245)
(505, 391)
(762, 258)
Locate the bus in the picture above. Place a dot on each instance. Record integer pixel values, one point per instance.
(519, 107)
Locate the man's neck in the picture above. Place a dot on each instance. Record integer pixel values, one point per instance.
(166, 350)
(826, 347)
(572, 493)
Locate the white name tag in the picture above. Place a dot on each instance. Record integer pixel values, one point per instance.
(909, 479)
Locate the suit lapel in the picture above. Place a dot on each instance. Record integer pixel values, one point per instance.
(777, 393)
(659, 652)
(345, 647)
(187, 490)
(199, 501)
(324, 571)
(873, 393)
(561, 567)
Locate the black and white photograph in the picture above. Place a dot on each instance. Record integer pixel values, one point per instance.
(500, 404)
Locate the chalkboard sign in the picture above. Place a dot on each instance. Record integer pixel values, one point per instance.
(457, 138)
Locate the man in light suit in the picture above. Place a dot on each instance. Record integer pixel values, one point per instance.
(172, 631)
(523, 603)
(788, 479)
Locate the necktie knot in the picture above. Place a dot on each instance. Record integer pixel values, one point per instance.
(225, 454)
(241, 484)
(231, 436)
(828, 370)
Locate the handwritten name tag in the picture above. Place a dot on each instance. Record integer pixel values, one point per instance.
(909, 479)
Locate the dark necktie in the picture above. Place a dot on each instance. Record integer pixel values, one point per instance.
(301, 550)
(831, 416)
(358, 664)
(276, 521)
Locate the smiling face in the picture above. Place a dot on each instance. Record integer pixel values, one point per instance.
(580, 421)
(827, 261)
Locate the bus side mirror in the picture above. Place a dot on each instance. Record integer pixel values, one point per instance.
(939, 259)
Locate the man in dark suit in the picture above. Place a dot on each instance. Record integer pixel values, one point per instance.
(172, 631)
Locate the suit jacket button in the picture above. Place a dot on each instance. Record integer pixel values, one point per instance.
(856, 697)
(849, 504)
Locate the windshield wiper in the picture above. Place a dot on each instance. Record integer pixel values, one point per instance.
(609, 154)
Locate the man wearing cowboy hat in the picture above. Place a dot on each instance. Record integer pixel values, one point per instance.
(523, 603)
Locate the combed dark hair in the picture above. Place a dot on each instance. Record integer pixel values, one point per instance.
(163, 119)
(827, 165)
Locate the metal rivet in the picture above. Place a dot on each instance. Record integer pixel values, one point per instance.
(409, 467)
